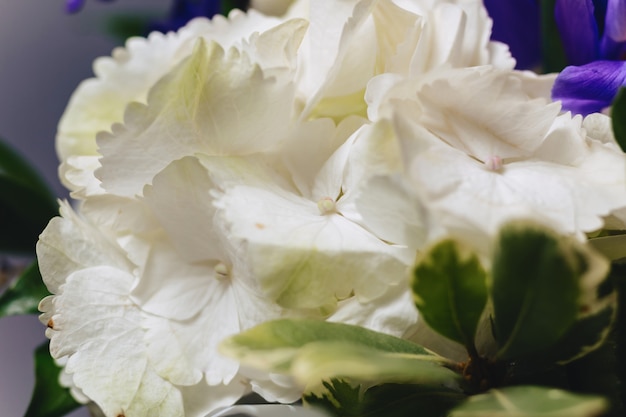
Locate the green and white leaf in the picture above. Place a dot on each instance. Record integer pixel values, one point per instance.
(586, 335)
(450, 290)
(341, 398)
(320, 361)
(531, 401)
(312, 351)
(24, 295)
(542, 284)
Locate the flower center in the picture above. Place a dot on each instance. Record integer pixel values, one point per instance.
(494, 163)
(222, 271)
(327, 205)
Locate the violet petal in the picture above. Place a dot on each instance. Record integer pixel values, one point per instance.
(589, 88)
(578, 29)
(517, 23)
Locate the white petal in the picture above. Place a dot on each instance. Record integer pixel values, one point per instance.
(201, 398)
(394, 213)
(69, 244)
(173, 288)
(98, 326)
(485, 113)
(394, 313)
(180, 198)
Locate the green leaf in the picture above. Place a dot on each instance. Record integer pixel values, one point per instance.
(552, 52)
(618, 118)
(124, 26)
(26, 203)
(530, 401)
(586, 335)
(312, 351)
(542, 283)
(341, 398)
(49, 399)
(227, 5)
(597, 373)
(450, 290)
(24, 295)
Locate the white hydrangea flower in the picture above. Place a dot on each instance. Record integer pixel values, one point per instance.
(216, 196)
(253, 167)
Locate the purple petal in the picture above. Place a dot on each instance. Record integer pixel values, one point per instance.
(578, 29)
(615, 22)
(73, 6)
(613, 44)
(183, 11)
(517, 24)
(589, 88)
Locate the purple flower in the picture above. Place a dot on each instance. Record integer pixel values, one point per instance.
(594, 38)
(183, 11)
(592, 29)
(517, 23)
(74, 6)
(180, 12)
(589, 88)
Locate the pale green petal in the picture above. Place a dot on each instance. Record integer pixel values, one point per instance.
(214, 102)
(302, 258)
(128, 75)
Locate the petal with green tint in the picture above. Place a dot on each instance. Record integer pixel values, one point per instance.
(215, 102)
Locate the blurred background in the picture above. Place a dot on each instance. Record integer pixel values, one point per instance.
(44, 54)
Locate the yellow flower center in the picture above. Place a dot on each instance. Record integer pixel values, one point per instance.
(327, 205)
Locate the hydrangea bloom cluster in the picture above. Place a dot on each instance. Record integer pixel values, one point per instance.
(252, 167)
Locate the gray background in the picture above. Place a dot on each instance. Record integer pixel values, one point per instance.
(44, 54)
